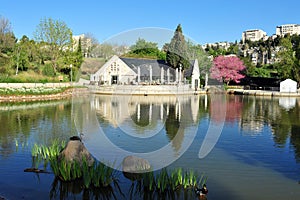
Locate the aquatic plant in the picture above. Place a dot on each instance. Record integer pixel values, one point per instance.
(162, 180)
(149, 181)
(176, 178)
(47, 152)
(165, 183)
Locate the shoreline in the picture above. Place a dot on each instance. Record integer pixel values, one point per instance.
(263, 93)
(29, 98)
(139, 91)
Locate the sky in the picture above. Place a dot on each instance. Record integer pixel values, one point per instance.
(202, 22)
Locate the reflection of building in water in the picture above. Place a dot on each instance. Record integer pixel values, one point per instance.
(287, 102)
(150, 114)
(116, 109)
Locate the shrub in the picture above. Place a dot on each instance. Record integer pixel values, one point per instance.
(48, 70)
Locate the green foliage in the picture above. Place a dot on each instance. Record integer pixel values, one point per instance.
(97, 175)
(177, 51)
(144, 49)
(197, 52)
(46, 152)
(48, 70)
(168, 181)
(55, 36)
(286, 57)
(259, 72)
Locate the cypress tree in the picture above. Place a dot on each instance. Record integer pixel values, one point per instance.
(177, 51)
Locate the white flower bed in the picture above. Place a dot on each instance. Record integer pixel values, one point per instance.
(31, 91)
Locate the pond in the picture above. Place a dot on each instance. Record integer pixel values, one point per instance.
(248, 147)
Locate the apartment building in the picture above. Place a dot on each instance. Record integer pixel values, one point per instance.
(288, 29)
(253, 35)
(86, 43)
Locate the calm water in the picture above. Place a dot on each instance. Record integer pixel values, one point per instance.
(248, 147)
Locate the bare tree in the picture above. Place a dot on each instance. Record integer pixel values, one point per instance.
(88, 44)
(7, 38)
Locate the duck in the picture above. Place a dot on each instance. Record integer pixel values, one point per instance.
(202, 192)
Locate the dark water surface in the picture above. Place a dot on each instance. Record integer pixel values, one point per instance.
(248, 147)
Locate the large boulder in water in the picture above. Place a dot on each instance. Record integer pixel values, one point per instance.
(133, 164)
(75, 151)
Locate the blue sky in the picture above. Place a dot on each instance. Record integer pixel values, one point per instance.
(202, 21)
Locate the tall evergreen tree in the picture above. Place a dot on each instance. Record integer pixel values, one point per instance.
(177, 51)
(79, 55)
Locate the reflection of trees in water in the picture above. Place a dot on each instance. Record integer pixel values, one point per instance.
(71, 189)
(172, 123)
(234, 108)
(283, 123)
(177, 122)
(142, 119)
(261, 111)
(26, 119)
(217, 108)
(295, 140)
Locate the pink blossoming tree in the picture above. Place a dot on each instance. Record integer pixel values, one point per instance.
(227, 68)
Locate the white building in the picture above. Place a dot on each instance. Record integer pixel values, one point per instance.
(118, 70)
(86, 43)
(253, 35)
(288, 29)
(288, 85)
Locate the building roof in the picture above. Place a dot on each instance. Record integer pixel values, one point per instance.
(156, 65)
(188, 72)
(145, 64)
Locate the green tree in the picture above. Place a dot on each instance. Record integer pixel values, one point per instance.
(145, 49)
(24, 55)
(286, 58)
(20, 59)
(197, 52)
(56, 36)
(72, 60)
(296, 46)
(177, 51)
(233, 49)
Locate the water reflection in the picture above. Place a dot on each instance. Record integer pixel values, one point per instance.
(37, 121)
(138, 125)
(138, 117)
(73, 189)
(259, 131)
(267, 111)
(287, 102)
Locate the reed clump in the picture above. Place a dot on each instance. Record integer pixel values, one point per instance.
(95, 175)
(166, 182)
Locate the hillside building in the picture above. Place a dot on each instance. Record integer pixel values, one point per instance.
(288, 29)
(253, 35)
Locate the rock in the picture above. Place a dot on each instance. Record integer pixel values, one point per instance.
(133, 164)
(76, 151)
